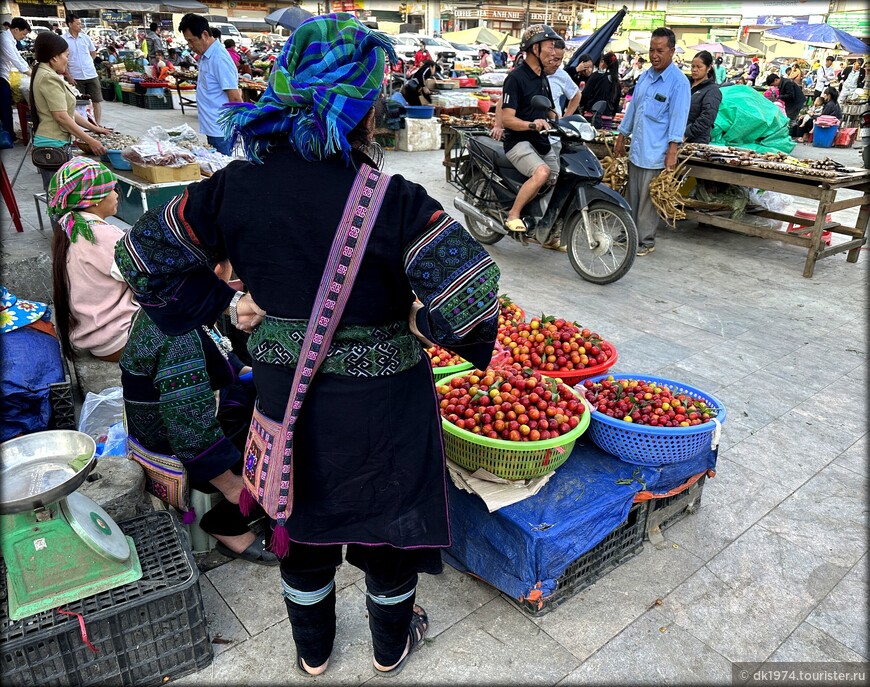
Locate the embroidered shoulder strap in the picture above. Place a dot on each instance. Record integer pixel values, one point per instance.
(345, 257)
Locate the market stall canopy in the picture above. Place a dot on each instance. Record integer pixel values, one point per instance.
(480, 34)
(288, 17)
(177, 6)
(744, 48)
(627, 45)
(716, 48)
(821, 35)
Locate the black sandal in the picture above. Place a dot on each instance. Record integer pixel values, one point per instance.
(255, 553)
(416, 635)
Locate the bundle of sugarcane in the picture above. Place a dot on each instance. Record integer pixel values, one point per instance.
(664, 191)
(615, 172)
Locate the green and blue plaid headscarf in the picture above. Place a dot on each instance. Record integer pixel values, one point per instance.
(324, 82)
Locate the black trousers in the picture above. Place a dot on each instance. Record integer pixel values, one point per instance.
(390, 572)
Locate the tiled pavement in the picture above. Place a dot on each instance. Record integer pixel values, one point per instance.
(773, 566)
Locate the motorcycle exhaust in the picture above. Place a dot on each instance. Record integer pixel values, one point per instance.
(469, 210)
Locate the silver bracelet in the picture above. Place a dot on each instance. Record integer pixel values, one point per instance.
(234, 313)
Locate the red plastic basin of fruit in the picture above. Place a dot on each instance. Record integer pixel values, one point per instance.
(571, 377)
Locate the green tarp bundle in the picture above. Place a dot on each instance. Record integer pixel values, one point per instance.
(749, 120)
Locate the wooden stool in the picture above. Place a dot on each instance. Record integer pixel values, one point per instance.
(9, 197)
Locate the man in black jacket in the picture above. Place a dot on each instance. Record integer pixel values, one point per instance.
(791, 94)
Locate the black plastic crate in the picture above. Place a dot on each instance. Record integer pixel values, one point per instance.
(622, 544)
(62, 402)
(669, 510)
(144, 631)
(157, 102)
(131, 98)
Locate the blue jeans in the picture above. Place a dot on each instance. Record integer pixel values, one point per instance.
(221, 144)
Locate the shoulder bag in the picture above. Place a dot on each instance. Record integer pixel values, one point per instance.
(268, 456)
(46, 157)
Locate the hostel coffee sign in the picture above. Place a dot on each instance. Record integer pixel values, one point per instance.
(514, 14)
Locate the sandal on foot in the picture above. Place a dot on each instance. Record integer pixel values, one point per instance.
(255, 553)
(416, 634)
(301, 668)
(515, 225)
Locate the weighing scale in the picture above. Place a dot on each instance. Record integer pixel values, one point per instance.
(59, 546)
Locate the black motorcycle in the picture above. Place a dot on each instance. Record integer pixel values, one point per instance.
(592, 220)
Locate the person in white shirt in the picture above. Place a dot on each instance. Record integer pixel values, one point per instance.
(10, 59)
(562, 85)
(81, 71)
(824, 76)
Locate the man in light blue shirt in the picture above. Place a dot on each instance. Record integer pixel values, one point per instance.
(656, 121)
(217, 81)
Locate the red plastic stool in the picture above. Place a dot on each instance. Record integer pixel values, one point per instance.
(804, 230)
(9, 197)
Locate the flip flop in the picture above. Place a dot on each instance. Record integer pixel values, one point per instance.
(416, 634)
(255, 553)
(515, 225)
(301, 668)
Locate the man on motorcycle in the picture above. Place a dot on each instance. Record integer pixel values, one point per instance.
(525, 145)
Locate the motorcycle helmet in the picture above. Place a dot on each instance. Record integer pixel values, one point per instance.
(538, 33)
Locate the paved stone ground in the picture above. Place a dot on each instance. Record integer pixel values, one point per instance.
(773, 567)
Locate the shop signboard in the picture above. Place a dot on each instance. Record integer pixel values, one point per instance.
(703, 20)
(114, 17)
(633, 21)
(854, 23)
(513, 14)
(784, 9)
(768, 20)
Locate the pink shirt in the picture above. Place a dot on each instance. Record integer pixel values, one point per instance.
(101, 300)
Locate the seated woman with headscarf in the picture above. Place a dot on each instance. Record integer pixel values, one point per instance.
(93, 305)
(369, 469)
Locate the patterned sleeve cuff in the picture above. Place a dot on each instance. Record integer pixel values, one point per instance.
(457, 281)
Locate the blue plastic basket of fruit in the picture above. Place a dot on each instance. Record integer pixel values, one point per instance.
(116, 160)
(644, 444)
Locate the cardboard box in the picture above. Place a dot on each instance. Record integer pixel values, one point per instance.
(162, 175)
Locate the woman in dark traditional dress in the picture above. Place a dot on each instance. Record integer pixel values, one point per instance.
(369, 466)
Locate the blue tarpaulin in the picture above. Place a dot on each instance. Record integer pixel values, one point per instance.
(529, 545)
(822, 35)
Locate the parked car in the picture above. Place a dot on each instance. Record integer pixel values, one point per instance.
(465, 53)
(36, 30)
(230, 31)
(440, 49)
(103, 34)
(405, 47)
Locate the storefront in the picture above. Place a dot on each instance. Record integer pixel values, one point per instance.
(511, 19)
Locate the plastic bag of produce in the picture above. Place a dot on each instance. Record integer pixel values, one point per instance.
(159, 153)
(183, 132)
(749, 120)
(770, 200)
(101, 411)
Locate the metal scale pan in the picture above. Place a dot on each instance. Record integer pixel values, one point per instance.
(36, 470)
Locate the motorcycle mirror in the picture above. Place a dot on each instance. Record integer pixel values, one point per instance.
(541, 101)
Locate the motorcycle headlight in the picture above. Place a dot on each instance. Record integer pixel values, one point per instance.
(587, 132)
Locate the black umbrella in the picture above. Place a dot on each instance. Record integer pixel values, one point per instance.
(595, 44)
(288, 17)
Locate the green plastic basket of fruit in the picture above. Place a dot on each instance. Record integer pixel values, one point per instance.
(445, 363)
(524, 456)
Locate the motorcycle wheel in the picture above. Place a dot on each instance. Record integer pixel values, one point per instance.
(480, 188)
(615, 250)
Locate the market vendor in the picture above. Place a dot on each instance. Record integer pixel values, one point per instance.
(370, 467)
(603, 91)
(418, 89)
(830, 108)
(11, 59)
(94, 307)
(706, 98)
(790, 93)
(217, 82)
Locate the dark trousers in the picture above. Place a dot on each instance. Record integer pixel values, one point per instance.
(6, 107)
(390, 572)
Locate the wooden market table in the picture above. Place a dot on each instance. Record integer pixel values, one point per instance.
(823, 190)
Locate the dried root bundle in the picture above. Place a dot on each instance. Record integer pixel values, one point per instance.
(664, 192)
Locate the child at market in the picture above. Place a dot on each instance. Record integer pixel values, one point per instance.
(93, 304)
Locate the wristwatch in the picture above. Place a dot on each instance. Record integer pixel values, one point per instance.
(532, 125)
(234, 313)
